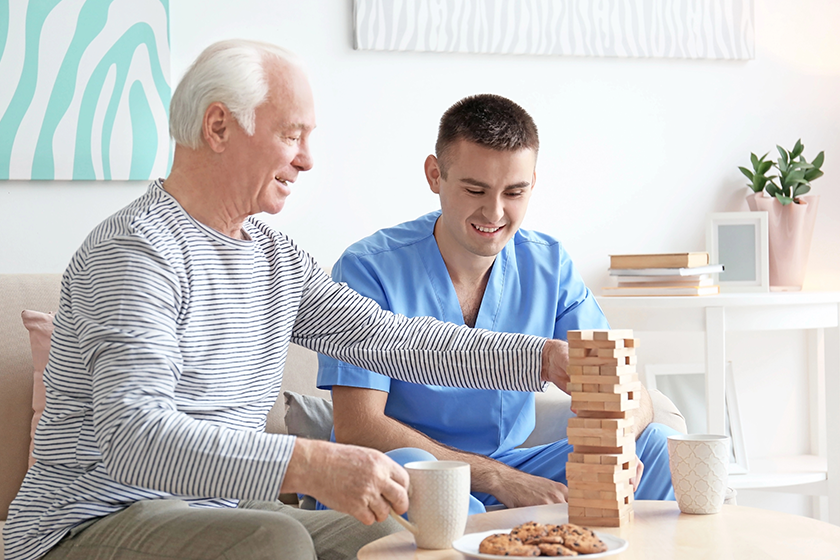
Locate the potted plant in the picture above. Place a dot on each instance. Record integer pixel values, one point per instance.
(791, 213)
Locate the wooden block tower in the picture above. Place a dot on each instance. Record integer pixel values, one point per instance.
(604, 387)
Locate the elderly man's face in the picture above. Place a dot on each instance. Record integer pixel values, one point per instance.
(271, 159)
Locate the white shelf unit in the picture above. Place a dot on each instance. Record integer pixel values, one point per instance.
(817, 473)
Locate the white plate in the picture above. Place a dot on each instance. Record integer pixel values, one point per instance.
(468, 545)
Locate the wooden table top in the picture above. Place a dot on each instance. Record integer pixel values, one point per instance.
(659, 531)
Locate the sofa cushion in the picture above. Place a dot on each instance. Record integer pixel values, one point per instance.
(40, 327)
(308, 416)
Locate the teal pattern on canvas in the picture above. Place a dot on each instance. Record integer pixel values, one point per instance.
(105, 113)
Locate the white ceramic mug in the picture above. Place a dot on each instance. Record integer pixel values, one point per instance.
(438, 501)
(699, 471)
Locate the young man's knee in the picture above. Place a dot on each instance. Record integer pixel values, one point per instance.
(657, 434)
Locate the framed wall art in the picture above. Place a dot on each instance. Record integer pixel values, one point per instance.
(86, 89)
(712, 29)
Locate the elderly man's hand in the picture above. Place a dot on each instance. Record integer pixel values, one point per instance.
(555, 360)
(362, 482)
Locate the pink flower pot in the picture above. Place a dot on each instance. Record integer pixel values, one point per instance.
(790, 229)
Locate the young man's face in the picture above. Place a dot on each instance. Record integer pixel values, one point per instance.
(483, 198)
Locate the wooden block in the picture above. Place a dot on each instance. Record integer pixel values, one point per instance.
(575, 370)
(612, 334)
(604, 379)
(577, 468)
(599, 413)
(577, 353)
(628, 457)
(601, 423)
(594, 459)
(607, 508)
(591, 388)
(614, 352)
(617, 476)
(625, 517)
(601, 522)
(631, 342)
(588, 370)
(601, 361)
(601, 449)
(630, 387)
(574, 387)
(611, 370)
(589, 406)
(596, 437)
(575, 493)
(597, 343)
(574, 510)
(580, 396)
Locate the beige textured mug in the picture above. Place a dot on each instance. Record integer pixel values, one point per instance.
(438, 501)
(699, 471)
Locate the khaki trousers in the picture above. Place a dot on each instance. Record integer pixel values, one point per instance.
(172, 530)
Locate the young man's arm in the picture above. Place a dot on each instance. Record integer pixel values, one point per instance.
(359, 417)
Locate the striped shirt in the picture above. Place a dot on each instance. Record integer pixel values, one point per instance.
(168, 353)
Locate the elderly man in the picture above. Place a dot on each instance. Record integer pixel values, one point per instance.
(470, 263)
(174, 321)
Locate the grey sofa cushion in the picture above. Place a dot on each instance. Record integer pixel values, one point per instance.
(309, 417)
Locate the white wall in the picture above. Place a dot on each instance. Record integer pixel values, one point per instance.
(635, 152)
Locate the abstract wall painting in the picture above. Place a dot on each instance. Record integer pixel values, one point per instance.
(85, 89)
(716, 29)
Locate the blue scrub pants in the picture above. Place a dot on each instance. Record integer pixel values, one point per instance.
(549, 461)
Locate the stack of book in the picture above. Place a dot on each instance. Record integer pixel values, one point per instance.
(663, 274)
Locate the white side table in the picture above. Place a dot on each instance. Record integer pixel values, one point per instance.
(717, 315)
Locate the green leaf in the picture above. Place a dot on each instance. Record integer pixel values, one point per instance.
(797, 149)
(773, 189)
(746, 172)
(813, 174)
(782, 153)
(754, 161)
(818, 161)
(764, 167)
(801, 189)
(785, 200)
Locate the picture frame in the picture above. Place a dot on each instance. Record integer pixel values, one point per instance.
(684, 394)
(739, 241)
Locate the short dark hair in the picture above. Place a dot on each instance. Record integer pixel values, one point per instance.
(488, 120)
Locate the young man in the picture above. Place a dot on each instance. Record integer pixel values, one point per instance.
(470, 263)
(174, 320)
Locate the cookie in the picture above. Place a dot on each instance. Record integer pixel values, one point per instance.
(555, 550)
(498, 543)
(581, 539)
(529, 533)
(553, 534)
(502, 544)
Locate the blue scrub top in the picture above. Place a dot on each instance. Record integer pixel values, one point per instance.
(533, 288)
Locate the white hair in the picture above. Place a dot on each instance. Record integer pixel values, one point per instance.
(231, 72)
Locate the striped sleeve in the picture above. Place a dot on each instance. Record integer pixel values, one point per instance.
(125, 305)
(336, 321)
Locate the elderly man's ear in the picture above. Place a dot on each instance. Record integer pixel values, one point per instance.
(216, 126)
(432, 169)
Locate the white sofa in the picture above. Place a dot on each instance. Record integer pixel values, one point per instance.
(40, 292)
